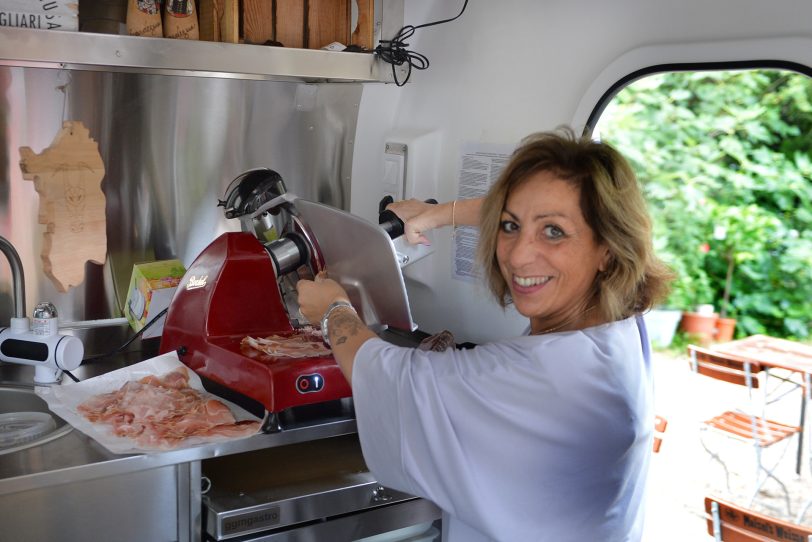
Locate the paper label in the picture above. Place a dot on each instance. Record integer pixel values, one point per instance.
(180, 8)
(40, 21)
(480, 166)
(150, 7)
(50, 7)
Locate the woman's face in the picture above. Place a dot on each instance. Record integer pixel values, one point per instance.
(546, 251)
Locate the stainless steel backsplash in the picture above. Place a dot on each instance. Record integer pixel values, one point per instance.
(170, 145)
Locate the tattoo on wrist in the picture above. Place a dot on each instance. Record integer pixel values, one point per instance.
(344, 325)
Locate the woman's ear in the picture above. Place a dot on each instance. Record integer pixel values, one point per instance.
(606, 258)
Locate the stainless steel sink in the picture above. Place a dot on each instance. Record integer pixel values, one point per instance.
(15, 400)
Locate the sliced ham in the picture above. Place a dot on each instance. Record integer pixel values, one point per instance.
(163, 412)
(306, 343)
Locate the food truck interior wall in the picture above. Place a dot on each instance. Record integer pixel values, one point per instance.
(499, 72)
(506, 69)
(170, 146)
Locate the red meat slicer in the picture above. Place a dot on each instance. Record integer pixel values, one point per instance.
(244, 283)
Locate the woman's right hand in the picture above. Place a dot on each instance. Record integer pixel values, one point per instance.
(315, 296)
(420, 217)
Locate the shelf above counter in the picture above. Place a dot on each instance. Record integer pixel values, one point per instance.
(130, 54)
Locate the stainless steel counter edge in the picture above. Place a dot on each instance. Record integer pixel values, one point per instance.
(107, 52)
(114, 464)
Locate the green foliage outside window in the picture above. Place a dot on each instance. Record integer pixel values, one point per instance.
(725, 159)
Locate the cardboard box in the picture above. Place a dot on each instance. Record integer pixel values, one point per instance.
(151, 289)
(48, 15)
(38, 21)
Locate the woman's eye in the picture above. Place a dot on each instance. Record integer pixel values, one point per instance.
(508, 226)
(553, 232)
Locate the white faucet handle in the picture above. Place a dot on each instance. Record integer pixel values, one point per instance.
(20, 325)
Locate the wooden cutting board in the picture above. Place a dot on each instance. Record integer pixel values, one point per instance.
(363, 34)
(258, 21)
(328, 21)
(67, 176)
(289, 23)
(220, 20)
(312, 24)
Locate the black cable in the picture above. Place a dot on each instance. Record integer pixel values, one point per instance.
(71, 376)
(129, 342)
(394, 51)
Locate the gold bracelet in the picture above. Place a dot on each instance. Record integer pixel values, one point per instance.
(453, 220)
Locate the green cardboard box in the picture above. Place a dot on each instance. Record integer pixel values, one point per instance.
(151, 289)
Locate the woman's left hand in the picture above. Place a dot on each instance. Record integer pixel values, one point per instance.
(315, 296)
(419, 217)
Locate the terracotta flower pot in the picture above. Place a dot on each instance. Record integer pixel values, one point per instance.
(724, 329)
(701, 326)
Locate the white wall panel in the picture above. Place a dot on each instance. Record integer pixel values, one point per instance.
(508, 68)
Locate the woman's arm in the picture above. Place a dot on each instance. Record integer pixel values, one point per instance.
(419, 217)
(346, 331)
(346, 335)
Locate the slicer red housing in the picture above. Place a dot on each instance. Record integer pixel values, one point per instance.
(229, 292)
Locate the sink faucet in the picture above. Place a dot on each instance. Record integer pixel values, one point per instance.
(17, 276)
(42, 347)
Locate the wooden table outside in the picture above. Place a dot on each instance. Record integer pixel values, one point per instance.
(771, 352)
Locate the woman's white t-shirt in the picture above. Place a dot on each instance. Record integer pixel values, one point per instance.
(536, 438)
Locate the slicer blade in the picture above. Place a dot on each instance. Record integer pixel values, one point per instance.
(360, 256)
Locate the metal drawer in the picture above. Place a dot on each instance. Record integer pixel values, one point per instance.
(295, 487)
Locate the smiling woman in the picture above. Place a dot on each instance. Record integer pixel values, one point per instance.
(548, 256)
(566, 238)
(587, 208)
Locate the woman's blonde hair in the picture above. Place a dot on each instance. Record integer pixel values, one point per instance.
(612, 204)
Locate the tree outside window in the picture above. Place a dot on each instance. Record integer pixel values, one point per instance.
(725, 159)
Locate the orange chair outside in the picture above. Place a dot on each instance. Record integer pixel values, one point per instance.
(755, 430)
(660, 424)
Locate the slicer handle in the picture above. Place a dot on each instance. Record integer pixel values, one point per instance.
(389, 221)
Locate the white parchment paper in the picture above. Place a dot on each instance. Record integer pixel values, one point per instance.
(63, 400)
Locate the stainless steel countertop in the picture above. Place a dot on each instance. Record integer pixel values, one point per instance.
(76, 457)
